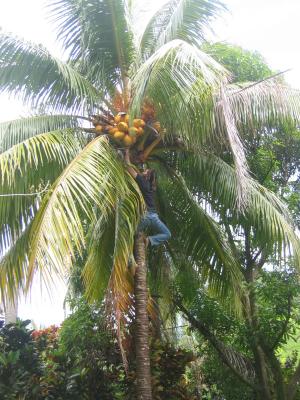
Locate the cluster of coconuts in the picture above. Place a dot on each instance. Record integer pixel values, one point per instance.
(122, 129)
(126, 132)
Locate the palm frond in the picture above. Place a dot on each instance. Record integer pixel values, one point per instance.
(99, 263)
(225, 121)
(265, 213)
(111, 248)
(13, 266)
(179, 19)
(183, 81)
(27, 169)
(129, 212)
(186, 85)
(57, 230)
(201, 240)
(263, 104)
(97, 37)
(16, 131)
(29, 71)
(83, 184)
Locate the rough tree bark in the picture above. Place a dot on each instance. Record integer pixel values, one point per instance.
(143, 373)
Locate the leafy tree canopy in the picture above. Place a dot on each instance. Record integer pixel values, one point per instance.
(245, 65)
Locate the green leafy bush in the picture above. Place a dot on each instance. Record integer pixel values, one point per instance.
(20, 367)
(81, 360)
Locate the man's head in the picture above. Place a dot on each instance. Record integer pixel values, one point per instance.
(149, 175)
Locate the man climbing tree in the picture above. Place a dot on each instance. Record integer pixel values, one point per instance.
(147, 184)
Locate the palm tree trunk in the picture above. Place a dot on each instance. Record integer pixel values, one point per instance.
(143, 373)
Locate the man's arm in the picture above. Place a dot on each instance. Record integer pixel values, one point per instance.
(131, 170)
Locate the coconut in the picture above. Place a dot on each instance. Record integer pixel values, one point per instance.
(133, 131)
(119, 135)
(128, 140)
(122, 126)
(113, 130)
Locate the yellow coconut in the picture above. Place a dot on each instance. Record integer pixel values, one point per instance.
(112, 131)
(140, 131)
(98, 128)
(118, 118)
(133, 131)
(127, 118)
(122, 126)
(128, 140)
(136, 123)
(119, 135)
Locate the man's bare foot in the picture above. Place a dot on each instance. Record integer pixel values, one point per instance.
(132, 266)
(132, 269)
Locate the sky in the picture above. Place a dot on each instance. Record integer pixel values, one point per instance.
(268, 26)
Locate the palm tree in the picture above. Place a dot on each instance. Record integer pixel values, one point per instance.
(65, 191)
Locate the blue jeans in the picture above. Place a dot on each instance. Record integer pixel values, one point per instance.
(151, 221)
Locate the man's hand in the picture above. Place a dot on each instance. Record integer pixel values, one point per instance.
(127, 158)
(131, 170)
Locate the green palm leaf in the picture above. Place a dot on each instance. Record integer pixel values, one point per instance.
(201, 241)
(99, 263)
(28, 70)
(110, 249)
(16, 131)
(94, 178)
(263, 104)
(13, 266)
(179, 19)
(265, 213)
(129, 212)
(187, 86)
(183, 81)
(25, 170)
(98, 38)
(57, 230)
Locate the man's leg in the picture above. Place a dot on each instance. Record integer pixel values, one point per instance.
(163, 234)
(144, 223)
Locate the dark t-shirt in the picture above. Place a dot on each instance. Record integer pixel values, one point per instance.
(147, 192)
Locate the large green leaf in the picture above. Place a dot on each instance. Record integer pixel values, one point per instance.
(13, 265)
(198, 238)
(111, 246)
(94, 178)
(98, 38)
(27, 171)
(31, 72)
(264, 103)
(184, 82)
(179, 19)
(264, 213)
(16, 131)
(191, 102)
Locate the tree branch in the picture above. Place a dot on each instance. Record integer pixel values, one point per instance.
(148, 149)
(260, 81)
(262, 261)
(287, 319)
(217, 345)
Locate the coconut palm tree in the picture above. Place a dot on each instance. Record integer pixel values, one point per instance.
(65, 191)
